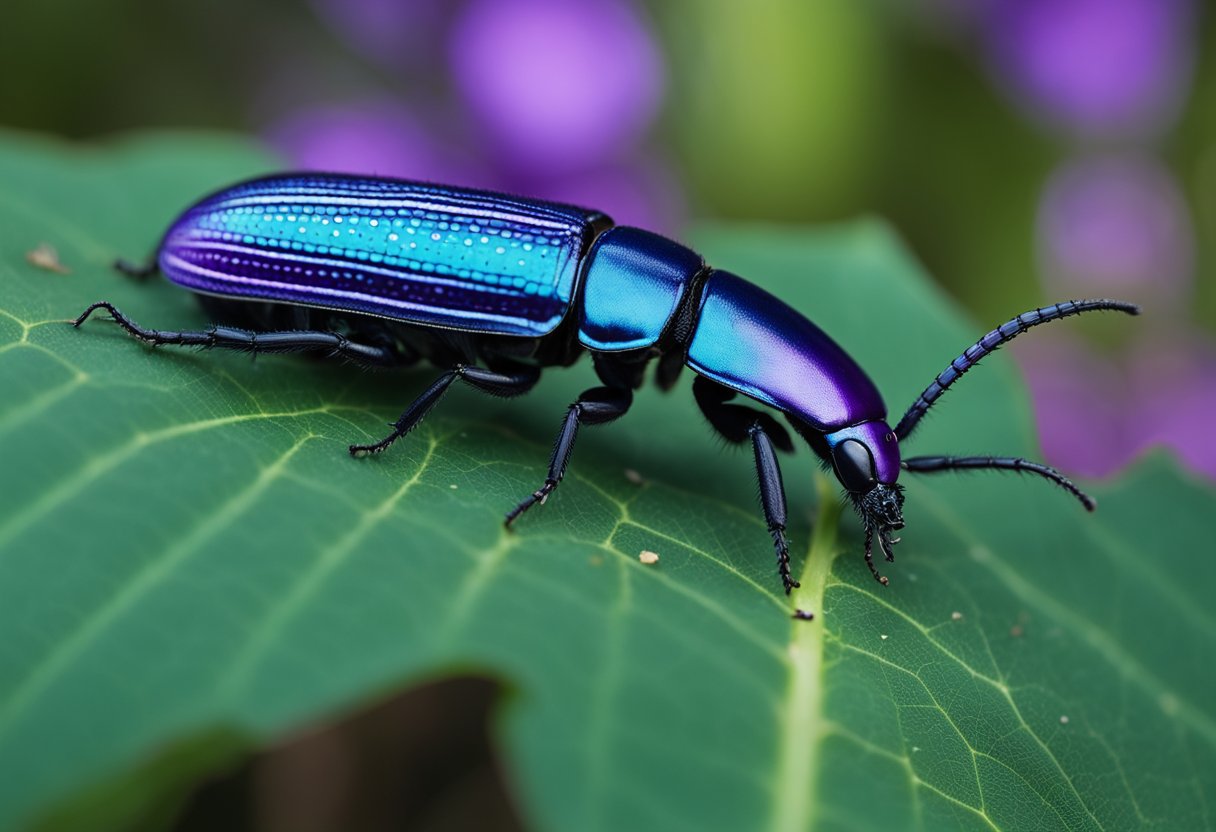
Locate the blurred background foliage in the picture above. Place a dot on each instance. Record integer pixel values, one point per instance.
(1029, 150)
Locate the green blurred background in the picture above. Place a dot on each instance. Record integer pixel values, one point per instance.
(1027, 150)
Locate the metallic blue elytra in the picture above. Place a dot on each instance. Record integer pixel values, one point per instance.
(492, 289)
(635, 282)
(436, 256)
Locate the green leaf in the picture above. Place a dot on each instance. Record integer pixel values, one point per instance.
(190, 560)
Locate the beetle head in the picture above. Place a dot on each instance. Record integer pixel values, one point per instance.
(865, 458)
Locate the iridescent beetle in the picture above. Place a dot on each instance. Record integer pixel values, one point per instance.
(492, 288)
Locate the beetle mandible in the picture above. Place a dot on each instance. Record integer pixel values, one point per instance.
(492, 288)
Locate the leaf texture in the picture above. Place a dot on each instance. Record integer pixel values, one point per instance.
(190, 560)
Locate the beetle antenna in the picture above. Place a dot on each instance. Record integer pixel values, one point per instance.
(994, 340)
(931, 464)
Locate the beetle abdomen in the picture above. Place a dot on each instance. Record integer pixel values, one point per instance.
(426, 254)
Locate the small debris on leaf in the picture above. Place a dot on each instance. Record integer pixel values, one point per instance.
(1063, 719)
(453, 486)
(956, 616)
(634, 477)
(883, 636)
(648, 557)
(803, 615)
(45, 257)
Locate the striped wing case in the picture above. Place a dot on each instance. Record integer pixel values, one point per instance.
(425, 254)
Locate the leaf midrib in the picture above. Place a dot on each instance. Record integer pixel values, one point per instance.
(801, 727)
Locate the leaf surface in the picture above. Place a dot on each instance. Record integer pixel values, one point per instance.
(188, 556)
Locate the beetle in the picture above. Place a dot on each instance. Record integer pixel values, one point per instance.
(492, 288)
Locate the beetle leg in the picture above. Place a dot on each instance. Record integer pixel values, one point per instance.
(498, 384)
(231, 338)
(870, 556)
(931, 464)
(734, 421)
(737, 423)
(772, 499)
(594, 407)
(136, 270)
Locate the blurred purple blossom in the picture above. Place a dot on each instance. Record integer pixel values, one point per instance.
(1174, 398)
(374, 136)
(530, 117)
(1115, 225)
(1097, 413)
(1075, 392)
(557, 85)
(640, 192)
(1095, 66)
(396, 33)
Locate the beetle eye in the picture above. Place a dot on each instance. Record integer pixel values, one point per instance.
(854, 466)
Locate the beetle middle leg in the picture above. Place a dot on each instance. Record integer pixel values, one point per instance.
(737, 423)
(594, 407)
(488, 381)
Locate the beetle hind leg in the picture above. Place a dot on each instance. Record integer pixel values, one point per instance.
(245, 340)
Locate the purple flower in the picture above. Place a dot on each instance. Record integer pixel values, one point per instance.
(374, 136)
(1095, 416)
(396, 33)
(1115, 225)
(640, 193)
(1078, 397)
(1095, 66)
(557, 85)
(1174, 387)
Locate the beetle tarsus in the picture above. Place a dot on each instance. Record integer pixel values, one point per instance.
(878, 576)
(783, 560)
(538, 496)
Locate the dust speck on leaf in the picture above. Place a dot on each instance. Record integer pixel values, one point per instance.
(956, 616)
(46, 258)
(634, 477)
(1063, 719)
(883, 636)
(648, 557)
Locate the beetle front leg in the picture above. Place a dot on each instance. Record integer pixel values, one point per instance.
(737, 423)
(594, 407)
(772, 498)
